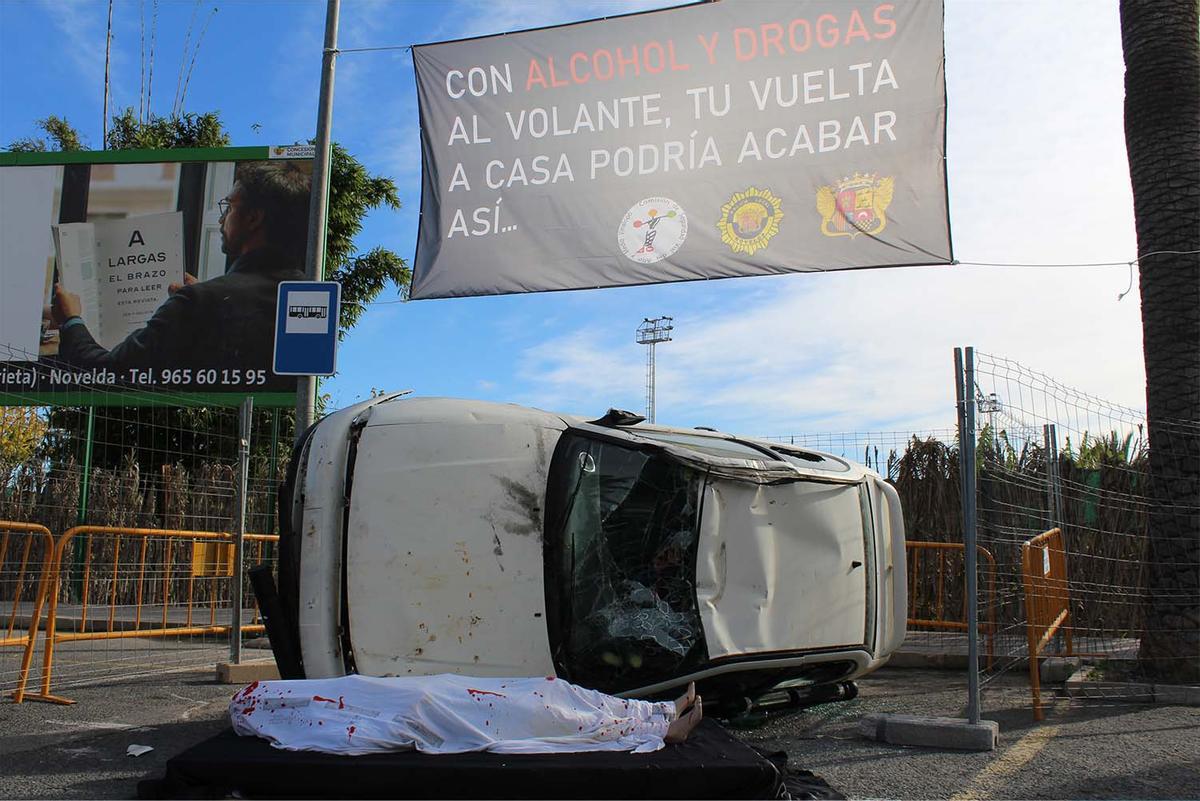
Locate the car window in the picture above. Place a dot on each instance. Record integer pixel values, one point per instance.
(810, 460)
(715, 446)
(628, 565)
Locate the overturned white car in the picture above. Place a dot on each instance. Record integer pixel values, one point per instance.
(428, 535)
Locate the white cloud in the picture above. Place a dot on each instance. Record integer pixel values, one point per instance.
(580, 371)
(81, 26)
(845, 351)
(81, 30)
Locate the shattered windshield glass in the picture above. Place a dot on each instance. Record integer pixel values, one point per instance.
(628, 549)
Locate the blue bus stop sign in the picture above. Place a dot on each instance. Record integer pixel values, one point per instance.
(306, 326)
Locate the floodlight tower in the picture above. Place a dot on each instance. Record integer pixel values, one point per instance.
(650, 333)
(988, 404)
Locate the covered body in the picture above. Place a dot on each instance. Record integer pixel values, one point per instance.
(446, 714)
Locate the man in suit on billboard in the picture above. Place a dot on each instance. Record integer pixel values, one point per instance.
(224, 324)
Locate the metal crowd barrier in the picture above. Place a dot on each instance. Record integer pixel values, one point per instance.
(210, 560)
(30, 532)
(1047, 602)
(939, 621)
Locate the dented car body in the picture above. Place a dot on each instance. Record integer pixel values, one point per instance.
(428, 535)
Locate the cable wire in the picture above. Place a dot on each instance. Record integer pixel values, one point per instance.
(956, 263)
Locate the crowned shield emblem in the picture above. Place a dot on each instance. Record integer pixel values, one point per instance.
(855, 205)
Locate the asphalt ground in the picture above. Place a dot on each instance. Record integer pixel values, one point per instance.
(1079, 751)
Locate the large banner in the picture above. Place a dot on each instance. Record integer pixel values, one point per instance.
(743, 137)
(127, 274)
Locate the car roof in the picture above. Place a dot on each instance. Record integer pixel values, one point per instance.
(806, 461)
(708, 444)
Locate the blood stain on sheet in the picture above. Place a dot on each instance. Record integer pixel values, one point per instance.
(350, 732)
(323, 698)
(476, 693)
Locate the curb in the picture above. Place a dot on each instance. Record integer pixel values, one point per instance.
(944, 660)
(955, 733)
(1085, 689)
(923, 659)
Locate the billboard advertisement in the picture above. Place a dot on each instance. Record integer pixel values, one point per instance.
(129, 274)
(705, 141)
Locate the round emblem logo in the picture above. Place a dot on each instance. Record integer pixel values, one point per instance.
(652, 230)
(749, 220)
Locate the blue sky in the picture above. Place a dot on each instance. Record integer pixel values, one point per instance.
(1037, 175)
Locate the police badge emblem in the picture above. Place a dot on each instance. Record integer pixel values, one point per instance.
(749, 220)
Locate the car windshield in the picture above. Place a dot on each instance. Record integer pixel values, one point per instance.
(627, 564)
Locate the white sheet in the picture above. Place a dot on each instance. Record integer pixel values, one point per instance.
(446, 714)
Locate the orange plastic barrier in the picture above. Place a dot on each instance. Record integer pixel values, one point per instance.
(1047, 602)
(211, 560)
(32, 532)
(940, 621)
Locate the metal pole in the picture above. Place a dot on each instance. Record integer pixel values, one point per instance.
(650, 383)
(1051, 517)
(107, 54)
(85, 481)
(1056, 486)
(85, 484)
(970, 538)
(274, 479)
(961, 408)
(235, 634)
(306, 386)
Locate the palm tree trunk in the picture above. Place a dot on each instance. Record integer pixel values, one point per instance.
(1162, 135)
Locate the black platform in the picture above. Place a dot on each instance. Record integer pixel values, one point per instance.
(710, 764)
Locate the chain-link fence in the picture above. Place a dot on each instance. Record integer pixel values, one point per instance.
(1063, 506)
(1066, 541)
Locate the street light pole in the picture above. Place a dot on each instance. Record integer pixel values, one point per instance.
(314, 263)
(651, 332)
